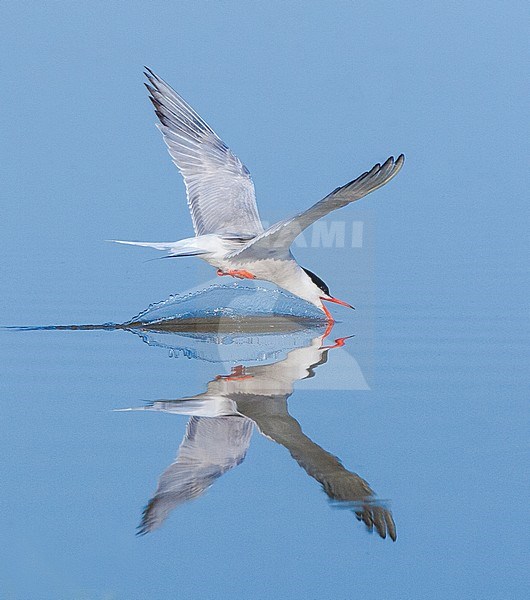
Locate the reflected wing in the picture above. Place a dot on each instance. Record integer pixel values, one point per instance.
(211, 447)
(220, 191)
(281, 235)
(341, 485)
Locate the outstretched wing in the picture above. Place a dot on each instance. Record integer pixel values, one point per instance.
(212, 446)
(220, 191)
(343, 486)
(279, 237)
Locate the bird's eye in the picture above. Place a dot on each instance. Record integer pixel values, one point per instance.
(317, 281)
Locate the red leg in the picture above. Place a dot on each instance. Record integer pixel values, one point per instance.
(239, 273)
(237, 374)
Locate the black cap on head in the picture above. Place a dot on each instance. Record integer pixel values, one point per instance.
(318, 282)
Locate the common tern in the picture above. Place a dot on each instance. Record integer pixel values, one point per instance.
(229, 234)
(219, 432)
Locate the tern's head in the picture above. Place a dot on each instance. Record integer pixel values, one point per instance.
(324, 291)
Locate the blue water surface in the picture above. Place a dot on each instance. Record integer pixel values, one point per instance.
(419, 422)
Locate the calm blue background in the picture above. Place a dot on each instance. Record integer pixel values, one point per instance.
(308, 95)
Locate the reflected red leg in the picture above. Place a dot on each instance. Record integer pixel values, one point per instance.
(237, 374)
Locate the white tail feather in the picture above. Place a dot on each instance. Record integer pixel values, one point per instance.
(155, 245)
(181, 248)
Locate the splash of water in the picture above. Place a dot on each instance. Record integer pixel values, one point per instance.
(230, 347)
(229, 302)
(221, 323)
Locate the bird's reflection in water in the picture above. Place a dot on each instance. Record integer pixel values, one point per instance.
(219, 431)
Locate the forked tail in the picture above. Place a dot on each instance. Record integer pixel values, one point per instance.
(173, 248)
